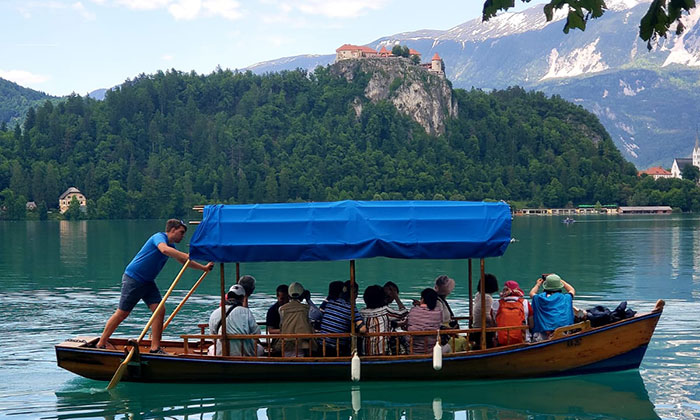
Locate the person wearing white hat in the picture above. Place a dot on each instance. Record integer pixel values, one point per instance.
(239, 320)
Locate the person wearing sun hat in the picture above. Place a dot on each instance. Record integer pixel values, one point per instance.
(294, 319)
(553, 307)
(239, 320)
(512, 309)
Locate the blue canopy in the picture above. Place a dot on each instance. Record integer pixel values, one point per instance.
(347, 230)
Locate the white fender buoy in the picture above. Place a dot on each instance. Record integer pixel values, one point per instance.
(355, 368)
(356, 399)
(437, 355)
(437, 408)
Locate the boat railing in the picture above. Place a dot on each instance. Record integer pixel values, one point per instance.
(330, 343)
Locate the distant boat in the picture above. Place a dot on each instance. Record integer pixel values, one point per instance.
(568, 221)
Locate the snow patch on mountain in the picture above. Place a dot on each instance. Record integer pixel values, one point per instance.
(619, 5)
(686, 46)
(584, 60)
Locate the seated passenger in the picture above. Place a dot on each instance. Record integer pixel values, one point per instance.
(553, 308)
(378, 318)
(239, 320)
(490, 287)
(272, 320)
(294, 317)
(426, 316)
(335, 289)
(512, 310)
(444, 286)
(248, 283)
(336, 319)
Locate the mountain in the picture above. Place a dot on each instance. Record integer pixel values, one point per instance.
(646, 100)
(98, 94)
(15, 100)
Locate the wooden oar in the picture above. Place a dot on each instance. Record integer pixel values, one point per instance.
(187, 296)
(122, 368)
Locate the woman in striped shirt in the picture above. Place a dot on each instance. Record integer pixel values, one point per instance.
(425, 317)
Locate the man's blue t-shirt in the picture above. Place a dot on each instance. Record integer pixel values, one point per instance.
(553, 311)
(149, 261)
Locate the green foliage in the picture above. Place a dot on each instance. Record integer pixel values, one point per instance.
(162, 143)
(73, 212)
(15, 101)
(656, 22)
(691, 173)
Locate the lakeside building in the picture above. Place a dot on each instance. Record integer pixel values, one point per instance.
(680, 163)
(656, 172)
(582, 210)
(65, 199)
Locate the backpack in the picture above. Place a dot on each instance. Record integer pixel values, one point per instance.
(510, 314)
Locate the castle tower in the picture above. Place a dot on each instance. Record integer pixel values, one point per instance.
(436, 66)
(696, 152)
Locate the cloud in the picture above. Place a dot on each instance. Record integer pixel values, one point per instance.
(23, 77)
(337, 8)
(26, 9)
(86, 14)
(188, 9)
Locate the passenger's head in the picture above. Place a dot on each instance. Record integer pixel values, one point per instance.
(346, 290)
(236, 293)
(248, 283)
(512, 288)
(429, 297)
(388, 295)
(175, 230)
(335, 289)
(296, 291)
(552, 283)
(490, 284)
(374, 297)
(283, 293)
(444, 285)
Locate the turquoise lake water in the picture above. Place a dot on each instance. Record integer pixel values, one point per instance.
(61, 279)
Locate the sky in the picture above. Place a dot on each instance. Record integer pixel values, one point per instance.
(65, 46)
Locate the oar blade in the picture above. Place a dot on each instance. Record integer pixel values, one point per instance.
(120, 370)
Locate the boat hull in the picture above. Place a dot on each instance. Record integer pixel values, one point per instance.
(614, 347)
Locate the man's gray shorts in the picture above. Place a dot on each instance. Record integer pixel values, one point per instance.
(134, 290)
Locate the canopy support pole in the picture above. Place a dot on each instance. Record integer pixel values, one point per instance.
(353, 348)
(482, 295)
(224, 341)
(471, 299)
(238, 272)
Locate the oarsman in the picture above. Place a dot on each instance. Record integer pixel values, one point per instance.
(138, 280)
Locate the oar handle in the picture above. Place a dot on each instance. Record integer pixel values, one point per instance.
(187, 296)
(162, 301)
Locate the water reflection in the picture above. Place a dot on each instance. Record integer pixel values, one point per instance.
(618, 395)
(73, 251)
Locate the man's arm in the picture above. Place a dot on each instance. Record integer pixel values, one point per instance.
(536, 287)
(182, 257)
(569, 288)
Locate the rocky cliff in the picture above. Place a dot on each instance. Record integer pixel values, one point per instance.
(424, 96)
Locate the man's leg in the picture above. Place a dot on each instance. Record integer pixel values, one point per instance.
(157, 326)
(112, 323)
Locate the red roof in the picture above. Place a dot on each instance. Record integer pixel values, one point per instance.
(656, 170)
(411, 51)
(436, 57)
(350, 47)
(384, 51)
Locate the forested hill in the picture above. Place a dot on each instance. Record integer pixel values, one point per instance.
(15, 100)
(161, 143)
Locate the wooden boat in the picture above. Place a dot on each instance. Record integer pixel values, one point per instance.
(346, 231)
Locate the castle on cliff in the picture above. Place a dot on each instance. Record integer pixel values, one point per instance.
(348, 51)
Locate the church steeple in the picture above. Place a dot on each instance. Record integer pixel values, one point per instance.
(696, 150)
